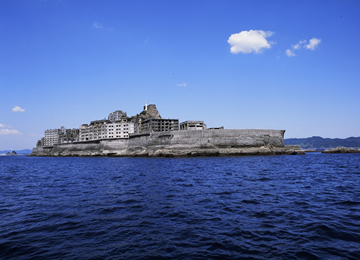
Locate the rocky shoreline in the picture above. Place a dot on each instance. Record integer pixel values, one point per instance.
(342, 150)
(264, 150)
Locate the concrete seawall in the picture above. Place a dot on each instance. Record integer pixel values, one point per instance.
(178, 143)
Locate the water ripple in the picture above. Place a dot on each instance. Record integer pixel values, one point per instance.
(264, 207)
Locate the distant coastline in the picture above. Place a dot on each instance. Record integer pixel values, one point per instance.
(19, 152)
(317, 142)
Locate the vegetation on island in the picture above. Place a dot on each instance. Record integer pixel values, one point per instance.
(317, 142)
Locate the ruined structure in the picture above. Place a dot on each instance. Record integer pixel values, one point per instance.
(105, 129)
(192, 125)
(147, 134)
(57, 136)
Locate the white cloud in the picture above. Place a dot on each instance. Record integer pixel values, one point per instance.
(99, 26)
(249, 41)
(289, 53)
(8, 126)
(296, 46)
(299, 45)
(313, 43)
(181, 85)
(18, 109)
(9, 132)
(303, 44)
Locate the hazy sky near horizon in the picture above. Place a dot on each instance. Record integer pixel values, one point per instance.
(292, 65)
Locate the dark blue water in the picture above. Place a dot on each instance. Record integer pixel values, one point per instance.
(263, 207)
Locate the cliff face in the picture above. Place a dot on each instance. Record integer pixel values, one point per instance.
(178, 143)
(151, 112)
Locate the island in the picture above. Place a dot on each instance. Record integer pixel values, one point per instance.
(147, 134)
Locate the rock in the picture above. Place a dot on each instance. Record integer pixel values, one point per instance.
(292, 147)
(342, 150)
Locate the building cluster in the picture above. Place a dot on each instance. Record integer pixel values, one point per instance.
(118, 125)
(57, 136)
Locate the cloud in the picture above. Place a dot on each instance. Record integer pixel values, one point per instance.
(299, 45)
(249, 41)
(18, 109)
(313, 43)
(289, 53)
(302, 45)
(182, 85)
(2, 125)
(99, 26)
(9, 132)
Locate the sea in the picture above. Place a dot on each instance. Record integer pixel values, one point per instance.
(250, 207)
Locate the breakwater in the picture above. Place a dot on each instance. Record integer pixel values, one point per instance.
(214, 142)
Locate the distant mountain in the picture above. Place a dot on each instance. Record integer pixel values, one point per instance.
(319, 142)
(24, 151)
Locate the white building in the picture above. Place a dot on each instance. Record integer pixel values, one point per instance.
(105, 129)
(116, 116)
(53, 136)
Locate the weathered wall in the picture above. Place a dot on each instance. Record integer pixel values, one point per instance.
(179, 143)
(186, 142)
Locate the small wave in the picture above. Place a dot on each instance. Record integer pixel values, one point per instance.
(264, 179)
(250, 202)
(348, 203)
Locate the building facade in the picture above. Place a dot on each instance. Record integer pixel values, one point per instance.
(62, 135)
(192, 125)
(159, 125)
(105, 129)
(116, 116)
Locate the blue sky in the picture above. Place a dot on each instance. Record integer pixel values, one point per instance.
(291, 65)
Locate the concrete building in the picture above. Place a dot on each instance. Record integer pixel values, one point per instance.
(159, 125)
(62, 135)
(105, 129)
(70, 136)
(52, 136)
(116, 116)
(192, 125)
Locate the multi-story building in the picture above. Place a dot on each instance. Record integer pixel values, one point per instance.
(70, 136)
(192, 125)
(105, 129)
(116, 116)
(118, 125)
(52, 136)
(62, 135)
(159, 125)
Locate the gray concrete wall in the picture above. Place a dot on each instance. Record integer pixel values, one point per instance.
(212, 141)
(176, 143)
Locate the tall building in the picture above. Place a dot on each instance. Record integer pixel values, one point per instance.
(159, 125)
(105, 129)
(117, 115)
(62, 135)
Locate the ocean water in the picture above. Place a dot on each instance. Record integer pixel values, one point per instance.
(255, 207)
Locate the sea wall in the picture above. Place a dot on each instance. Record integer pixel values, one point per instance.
(204, 142)
(178, 143)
